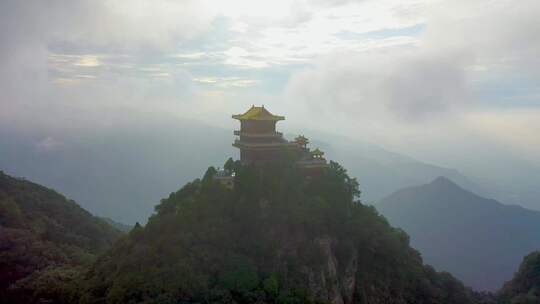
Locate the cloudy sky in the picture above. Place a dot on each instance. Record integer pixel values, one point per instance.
(428, 78)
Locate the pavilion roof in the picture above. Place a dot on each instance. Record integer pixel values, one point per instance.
(258, 113)
(317, 152)
(301, 138)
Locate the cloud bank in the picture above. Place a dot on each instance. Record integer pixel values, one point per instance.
(424, 77)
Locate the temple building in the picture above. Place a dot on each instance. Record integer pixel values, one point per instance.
(312, 162)
(258, 141)
(261, 144)
(225, 177)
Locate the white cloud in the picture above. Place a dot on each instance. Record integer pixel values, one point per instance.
(88, 61)
(193, 56)
(466, 43)
(48, 144)
(377, 87)
(426, 97)
(276, 40)
(240, 57)
(517, 129)
(58, 56)
(226, 82)
(384, 63)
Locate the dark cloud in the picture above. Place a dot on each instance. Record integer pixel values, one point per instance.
(411, 87)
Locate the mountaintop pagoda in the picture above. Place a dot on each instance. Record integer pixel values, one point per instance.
(260, 143)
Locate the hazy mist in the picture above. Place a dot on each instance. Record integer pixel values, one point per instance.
(451, 84)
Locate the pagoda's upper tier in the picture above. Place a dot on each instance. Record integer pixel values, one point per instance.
(258, 113)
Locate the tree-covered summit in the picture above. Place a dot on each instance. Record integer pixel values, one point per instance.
(277, 236)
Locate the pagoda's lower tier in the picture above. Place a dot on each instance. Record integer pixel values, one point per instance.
(262, 152)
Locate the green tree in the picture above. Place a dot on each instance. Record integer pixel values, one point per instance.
(229, 165)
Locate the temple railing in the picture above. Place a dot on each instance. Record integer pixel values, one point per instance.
(263, 135)
(243, 144)
(312, 163)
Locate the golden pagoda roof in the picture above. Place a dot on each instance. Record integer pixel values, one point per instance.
(258, 113)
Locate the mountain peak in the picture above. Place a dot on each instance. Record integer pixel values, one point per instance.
(445, 186)
(446, 221)
(444, 181)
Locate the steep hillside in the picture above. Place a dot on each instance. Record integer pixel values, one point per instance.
(479, 240)
(524, 288)
(43, 234)
(277, 237)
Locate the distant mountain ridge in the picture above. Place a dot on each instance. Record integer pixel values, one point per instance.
(479, 240)
(121, 170)
(382, 172)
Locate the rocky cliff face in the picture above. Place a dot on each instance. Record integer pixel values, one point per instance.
(333, 280)
(336, 286)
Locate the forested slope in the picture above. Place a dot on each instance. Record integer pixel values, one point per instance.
(277, 237)
(44, 238)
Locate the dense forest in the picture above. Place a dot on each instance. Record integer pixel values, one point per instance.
(277, 236)
(45, 240)
(524, 288)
